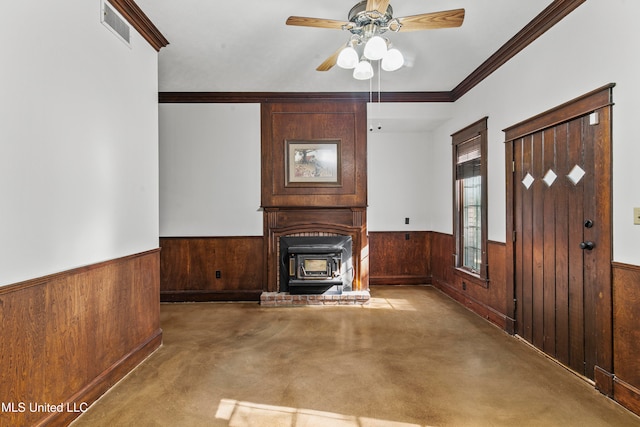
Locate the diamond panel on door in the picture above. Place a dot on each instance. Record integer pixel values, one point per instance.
(549, 178)
(576, 174)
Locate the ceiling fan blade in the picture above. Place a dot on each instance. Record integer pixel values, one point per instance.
(371, 4)
(379, 5)
(301, 21)
(432, 21)
(330, 61)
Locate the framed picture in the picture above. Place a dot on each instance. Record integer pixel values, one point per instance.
(313, 163)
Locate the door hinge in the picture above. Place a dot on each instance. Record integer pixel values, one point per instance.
(513, 166)
(513, 236)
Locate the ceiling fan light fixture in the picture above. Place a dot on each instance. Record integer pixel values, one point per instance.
(348, 58)
(375, 48)
(392, 60)
(367, 20)
(363, 71)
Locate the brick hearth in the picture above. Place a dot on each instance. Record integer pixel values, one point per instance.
(282, 299)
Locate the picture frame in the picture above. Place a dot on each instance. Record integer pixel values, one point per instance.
(313, 163)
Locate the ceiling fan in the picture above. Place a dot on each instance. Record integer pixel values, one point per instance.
(367, 20)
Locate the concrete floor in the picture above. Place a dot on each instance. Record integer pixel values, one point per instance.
(412, 357)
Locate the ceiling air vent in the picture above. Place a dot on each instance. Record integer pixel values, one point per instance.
(115, 22)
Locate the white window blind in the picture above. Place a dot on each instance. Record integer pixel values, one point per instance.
(468, 158)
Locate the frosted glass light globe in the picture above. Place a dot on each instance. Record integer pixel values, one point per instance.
(375, 48)
(392, 60)
(363, 71)
(348, 58)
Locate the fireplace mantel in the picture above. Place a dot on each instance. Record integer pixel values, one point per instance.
(314, 208)
(280, 222)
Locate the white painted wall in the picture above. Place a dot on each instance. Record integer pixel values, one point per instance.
(210, 170)
(398, 164)
(596, 44)
(78, 140)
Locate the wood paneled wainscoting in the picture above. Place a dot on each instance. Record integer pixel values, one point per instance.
(211, 268)
(626, 335)
(68, 337)
(400, 258)
(486, 298)
(426, 257)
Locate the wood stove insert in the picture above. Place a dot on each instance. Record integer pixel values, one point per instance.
(315, 264)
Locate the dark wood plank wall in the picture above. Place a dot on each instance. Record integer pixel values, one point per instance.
(486, 298)
(626, 335)
(400, 258)
(67, 338)
(189, 265)
(302, 121)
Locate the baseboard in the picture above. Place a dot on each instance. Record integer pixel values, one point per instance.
(210, 296)
(481, 309)
(626, 395)
(400, 280)
(603, 381)
(103, 382)
(510, 325)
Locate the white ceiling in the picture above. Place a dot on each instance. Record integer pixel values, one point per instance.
(245, 46)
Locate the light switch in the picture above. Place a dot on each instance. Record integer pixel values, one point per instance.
(636, 216)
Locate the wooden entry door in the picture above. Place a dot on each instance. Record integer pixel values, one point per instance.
(560, 221)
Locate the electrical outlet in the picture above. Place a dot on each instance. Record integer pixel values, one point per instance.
(218, 274)
(406, 220)
(636, 216)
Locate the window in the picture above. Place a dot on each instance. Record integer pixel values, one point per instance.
(470, 198)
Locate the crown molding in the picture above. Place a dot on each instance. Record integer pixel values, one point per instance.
(264, 97)
(136, 17)
(549, 17)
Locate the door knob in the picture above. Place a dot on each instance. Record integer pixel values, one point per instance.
(587, 245)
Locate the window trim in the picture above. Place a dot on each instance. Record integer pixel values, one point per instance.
(477, 129)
